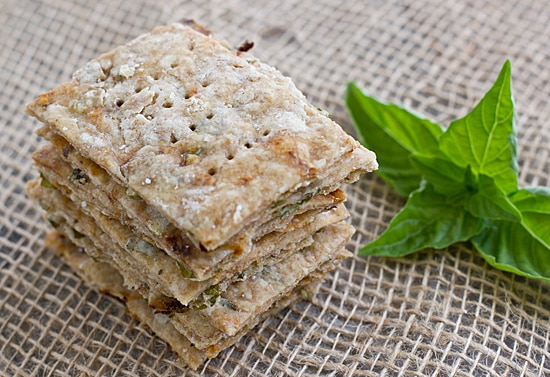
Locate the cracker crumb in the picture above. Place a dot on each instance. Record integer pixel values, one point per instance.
(126, 70)
(237, 215)
(93, 141)
(161, 318)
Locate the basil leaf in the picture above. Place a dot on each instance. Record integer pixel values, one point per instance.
(398, 131)
(467, 179)
(481, 196)
(428, 220)
(489, 201)
(534, 204)
(446, 177)
(485, 139)
(508, 246)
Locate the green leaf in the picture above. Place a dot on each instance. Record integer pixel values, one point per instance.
(485, 139)
(508, 246)
(393, 132)
(446, 177)
(428, 220)
(532, 199)
(534, 204)
(489, 201)
(467, 179)
(481, 196)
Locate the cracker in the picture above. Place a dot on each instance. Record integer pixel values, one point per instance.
(258, 287)
(112, 199)
(155, 268)
(199, 131)
(200, 332)
(105, 278)
(246, 299)
(206, 328)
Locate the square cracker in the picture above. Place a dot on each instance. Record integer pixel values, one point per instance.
(209, 136)
(155, 268)
(111, 199)
(106, 279)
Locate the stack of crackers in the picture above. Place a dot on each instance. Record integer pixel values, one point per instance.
(195, 183)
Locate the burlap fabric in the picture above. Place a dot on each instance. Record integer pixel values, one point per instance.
(439, 313)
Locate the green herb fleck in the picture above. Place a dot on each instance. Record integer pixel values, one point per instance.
(132, 194)
(291, 208)
(140, 245)
(324, 112)
(461, 182)
(213, 291)
(200, 307)
(77, 234)
(228, 304)
(184, 271)
(240, 276)
(288, 210)
(78, 176)
(208, 298)
(53, 222)
(45, 183)
(278, 203)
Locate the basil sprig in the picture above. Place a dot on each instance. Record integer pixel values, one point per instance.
(461, 182)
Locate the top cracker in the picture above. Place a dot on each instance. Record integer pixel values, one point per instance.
(209, 136)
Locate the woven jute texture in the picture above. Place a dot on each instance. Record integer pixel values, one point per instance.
(437, 313)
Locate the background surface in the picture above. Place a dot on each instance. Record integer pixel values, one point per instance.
(438, 313)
